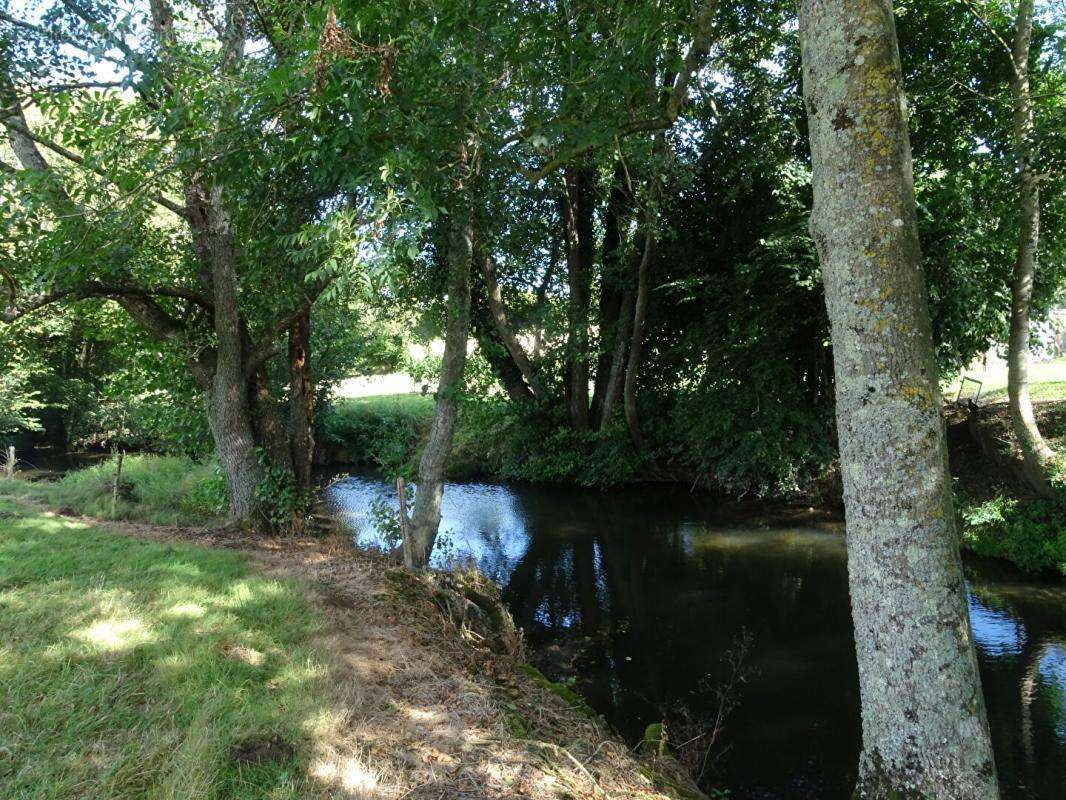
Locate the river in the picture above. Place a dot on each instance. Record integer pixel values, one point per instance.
(643, 595)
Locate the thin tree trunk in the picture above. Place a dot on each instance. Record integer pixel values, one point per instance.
(301, 401)
(425, 518)
(577, 207)
(1036, 454)
(640, 316)
(494, 301)
(488, 340)
(542, 295)
(120, 455)
(612, 290)
(925, 733)
(267, 423)
(405, 523)
(619, 359)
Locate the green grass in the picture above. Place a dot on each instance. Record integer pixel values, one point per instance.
(1042, 390)
(130, 669)
(1047, 381)
(159, 489)
(412, 403)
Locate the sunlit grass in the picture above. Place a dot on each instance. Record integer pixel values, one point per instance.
(414, 404)
(130, 669)
(1047, 381)
(159, 489)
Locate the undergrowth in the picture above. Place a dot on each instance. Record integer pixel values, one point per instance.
(167, 490)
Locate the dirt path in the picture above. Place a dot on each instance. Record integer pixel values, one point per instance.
(423, 709)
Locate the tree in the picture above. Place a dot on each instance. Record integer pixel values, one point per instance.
(425, 518)
(1036, 454)
(925, 733)
(174, 134)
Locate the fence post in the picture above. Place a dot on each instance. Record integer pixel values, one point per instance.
(114, 484)
(405, 524)
(9, 466)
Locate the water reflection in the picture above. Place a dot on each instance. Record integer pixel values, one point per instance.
(642, 593)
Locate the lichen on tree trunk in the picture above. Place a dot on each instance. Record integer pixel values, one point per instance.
(925, 733)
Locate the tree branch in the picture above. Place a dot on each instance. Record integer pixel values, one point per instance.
(995, 34)
(675, 101)
(73, 157)
(268, 349)
(97, 289)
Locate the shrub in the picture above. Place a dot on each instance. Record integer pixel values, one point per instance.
(1030, 533)
(383, 431)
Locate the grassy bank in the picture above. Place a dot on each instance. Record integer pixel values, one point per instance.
(165, 490)
(135, 664)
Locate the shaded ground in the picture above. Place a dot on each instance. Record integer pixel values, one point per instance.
(984, 454)
(396, 700)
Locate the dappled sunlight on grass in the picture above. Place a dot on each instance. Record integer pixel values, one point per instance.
(146, 669)
(114, 634)
(145, 664)
(190, 610)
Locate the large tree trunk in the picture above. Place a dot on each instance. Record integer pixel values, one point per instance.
(301, 401)
(228, 406)
(925, 733)
(577, 217)
(226, 402)
(425, 517)
(612, 290)
(1036, 454)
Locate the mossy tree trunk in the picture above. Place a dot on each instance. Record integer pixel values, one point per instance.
(925, 733)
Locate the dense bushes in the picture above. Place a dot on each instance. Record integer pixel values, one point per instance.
(774, 452)
(1030, 533)
(383, 431)
(523, 444)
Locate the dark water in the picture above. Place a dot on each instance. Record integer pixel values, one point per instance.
(643, 593)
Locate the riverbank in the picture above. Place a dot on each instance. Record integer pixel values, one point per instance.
(187, 662)
(999, 516)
